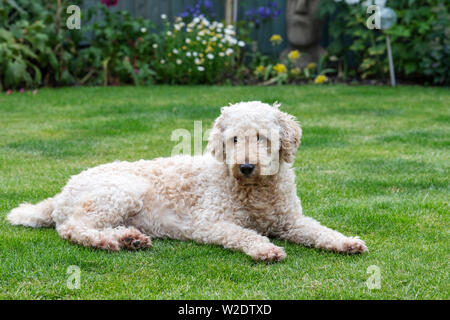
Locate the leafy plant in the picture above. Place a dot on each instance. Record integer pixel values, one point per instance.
(35, 48)
(120, 48)
(419, 39)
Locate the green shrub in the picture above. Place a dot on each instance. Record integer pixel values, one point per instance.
(420, 39)
(120, 48)
(35, 47)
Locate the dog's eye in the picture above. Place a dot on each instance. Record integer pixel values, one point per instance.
(260, 138)
(235, 139)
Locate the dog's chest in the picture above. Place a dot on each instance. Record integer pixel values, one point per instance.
(257, 210)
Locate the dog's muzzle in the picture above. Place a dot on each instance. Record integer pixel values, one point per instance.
(246, 169)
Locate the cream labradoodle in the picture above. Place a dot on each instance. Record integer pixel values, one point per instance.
(237, 195)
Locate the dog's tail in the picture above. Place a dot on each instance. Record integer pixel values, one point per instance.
(33, 215)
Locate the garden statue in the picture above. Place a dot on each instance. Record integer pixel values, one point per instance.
(303, 31)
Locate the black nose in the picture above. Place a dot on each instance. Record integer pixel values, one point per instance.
(246, 168)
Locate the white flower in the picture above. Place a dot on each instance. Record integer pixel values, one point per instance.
(163, 16)
(221, 54)
(195, 54)
(143, 30)
(200, 68)
(189, 54)
(175, 51)
(231, 40)
(155, 46)
(232, 32)
(351, 2)
(210, 56)
(189, 30)
(196, 20)
(229, 52)
(179, 61)
(220, 25)
(204, 42)
(169, 33)
(241, 44)
(162, 61)
(197, 61)
(188, 40)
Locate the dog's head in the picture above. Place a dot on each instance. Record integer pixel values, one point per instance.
(252, 138)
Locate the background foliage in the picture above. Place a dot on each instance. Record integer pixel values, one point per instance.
(420, 40)
(114, 47)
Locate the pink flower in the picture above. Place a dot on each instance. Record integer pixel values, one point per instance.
(8, 92)
(136, 70)
(22, 90)
(35, 91)
(110, 3)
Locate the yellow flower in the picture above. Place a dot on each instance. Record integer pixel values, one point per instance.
(311, 66)
(294, 55)
(260, 70)
(184, 47)
(321, 79)
(295, 71)
(276, 39)
(280, 68)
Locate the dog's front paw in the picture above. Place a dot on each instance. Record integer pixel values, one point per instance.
(135, 241)
(354, 245)
(268, 253)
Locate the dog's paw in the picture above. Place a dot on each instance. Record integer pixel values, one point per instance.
(268, 253)
(107, 245)
(354, 245)
(135, 241)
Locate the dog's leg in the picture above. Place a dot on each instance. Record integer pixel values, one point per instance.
(232, 236)
(309, 232)
(113, 239)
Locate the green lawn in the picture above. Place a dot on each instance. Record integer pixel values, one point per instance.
(374, 162)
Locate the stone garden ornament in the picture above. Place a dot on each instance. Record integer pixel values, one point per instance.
(303, 30)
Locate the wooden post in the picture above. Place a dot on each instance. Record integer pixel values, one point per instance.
(229, 11)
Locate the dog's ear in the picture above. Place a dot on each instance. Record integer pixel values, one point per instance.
(290, 136)
(215, 142)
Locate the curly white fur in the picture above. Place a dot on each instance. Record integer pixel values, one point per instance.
(202, 198)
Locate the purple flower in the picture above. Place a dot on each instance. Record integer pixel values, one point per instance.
(110, 3)
(22, 90)
(201, 8)
(263, 13)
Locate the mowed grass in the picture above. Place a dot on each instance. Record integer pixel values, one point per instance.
(374, 162)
